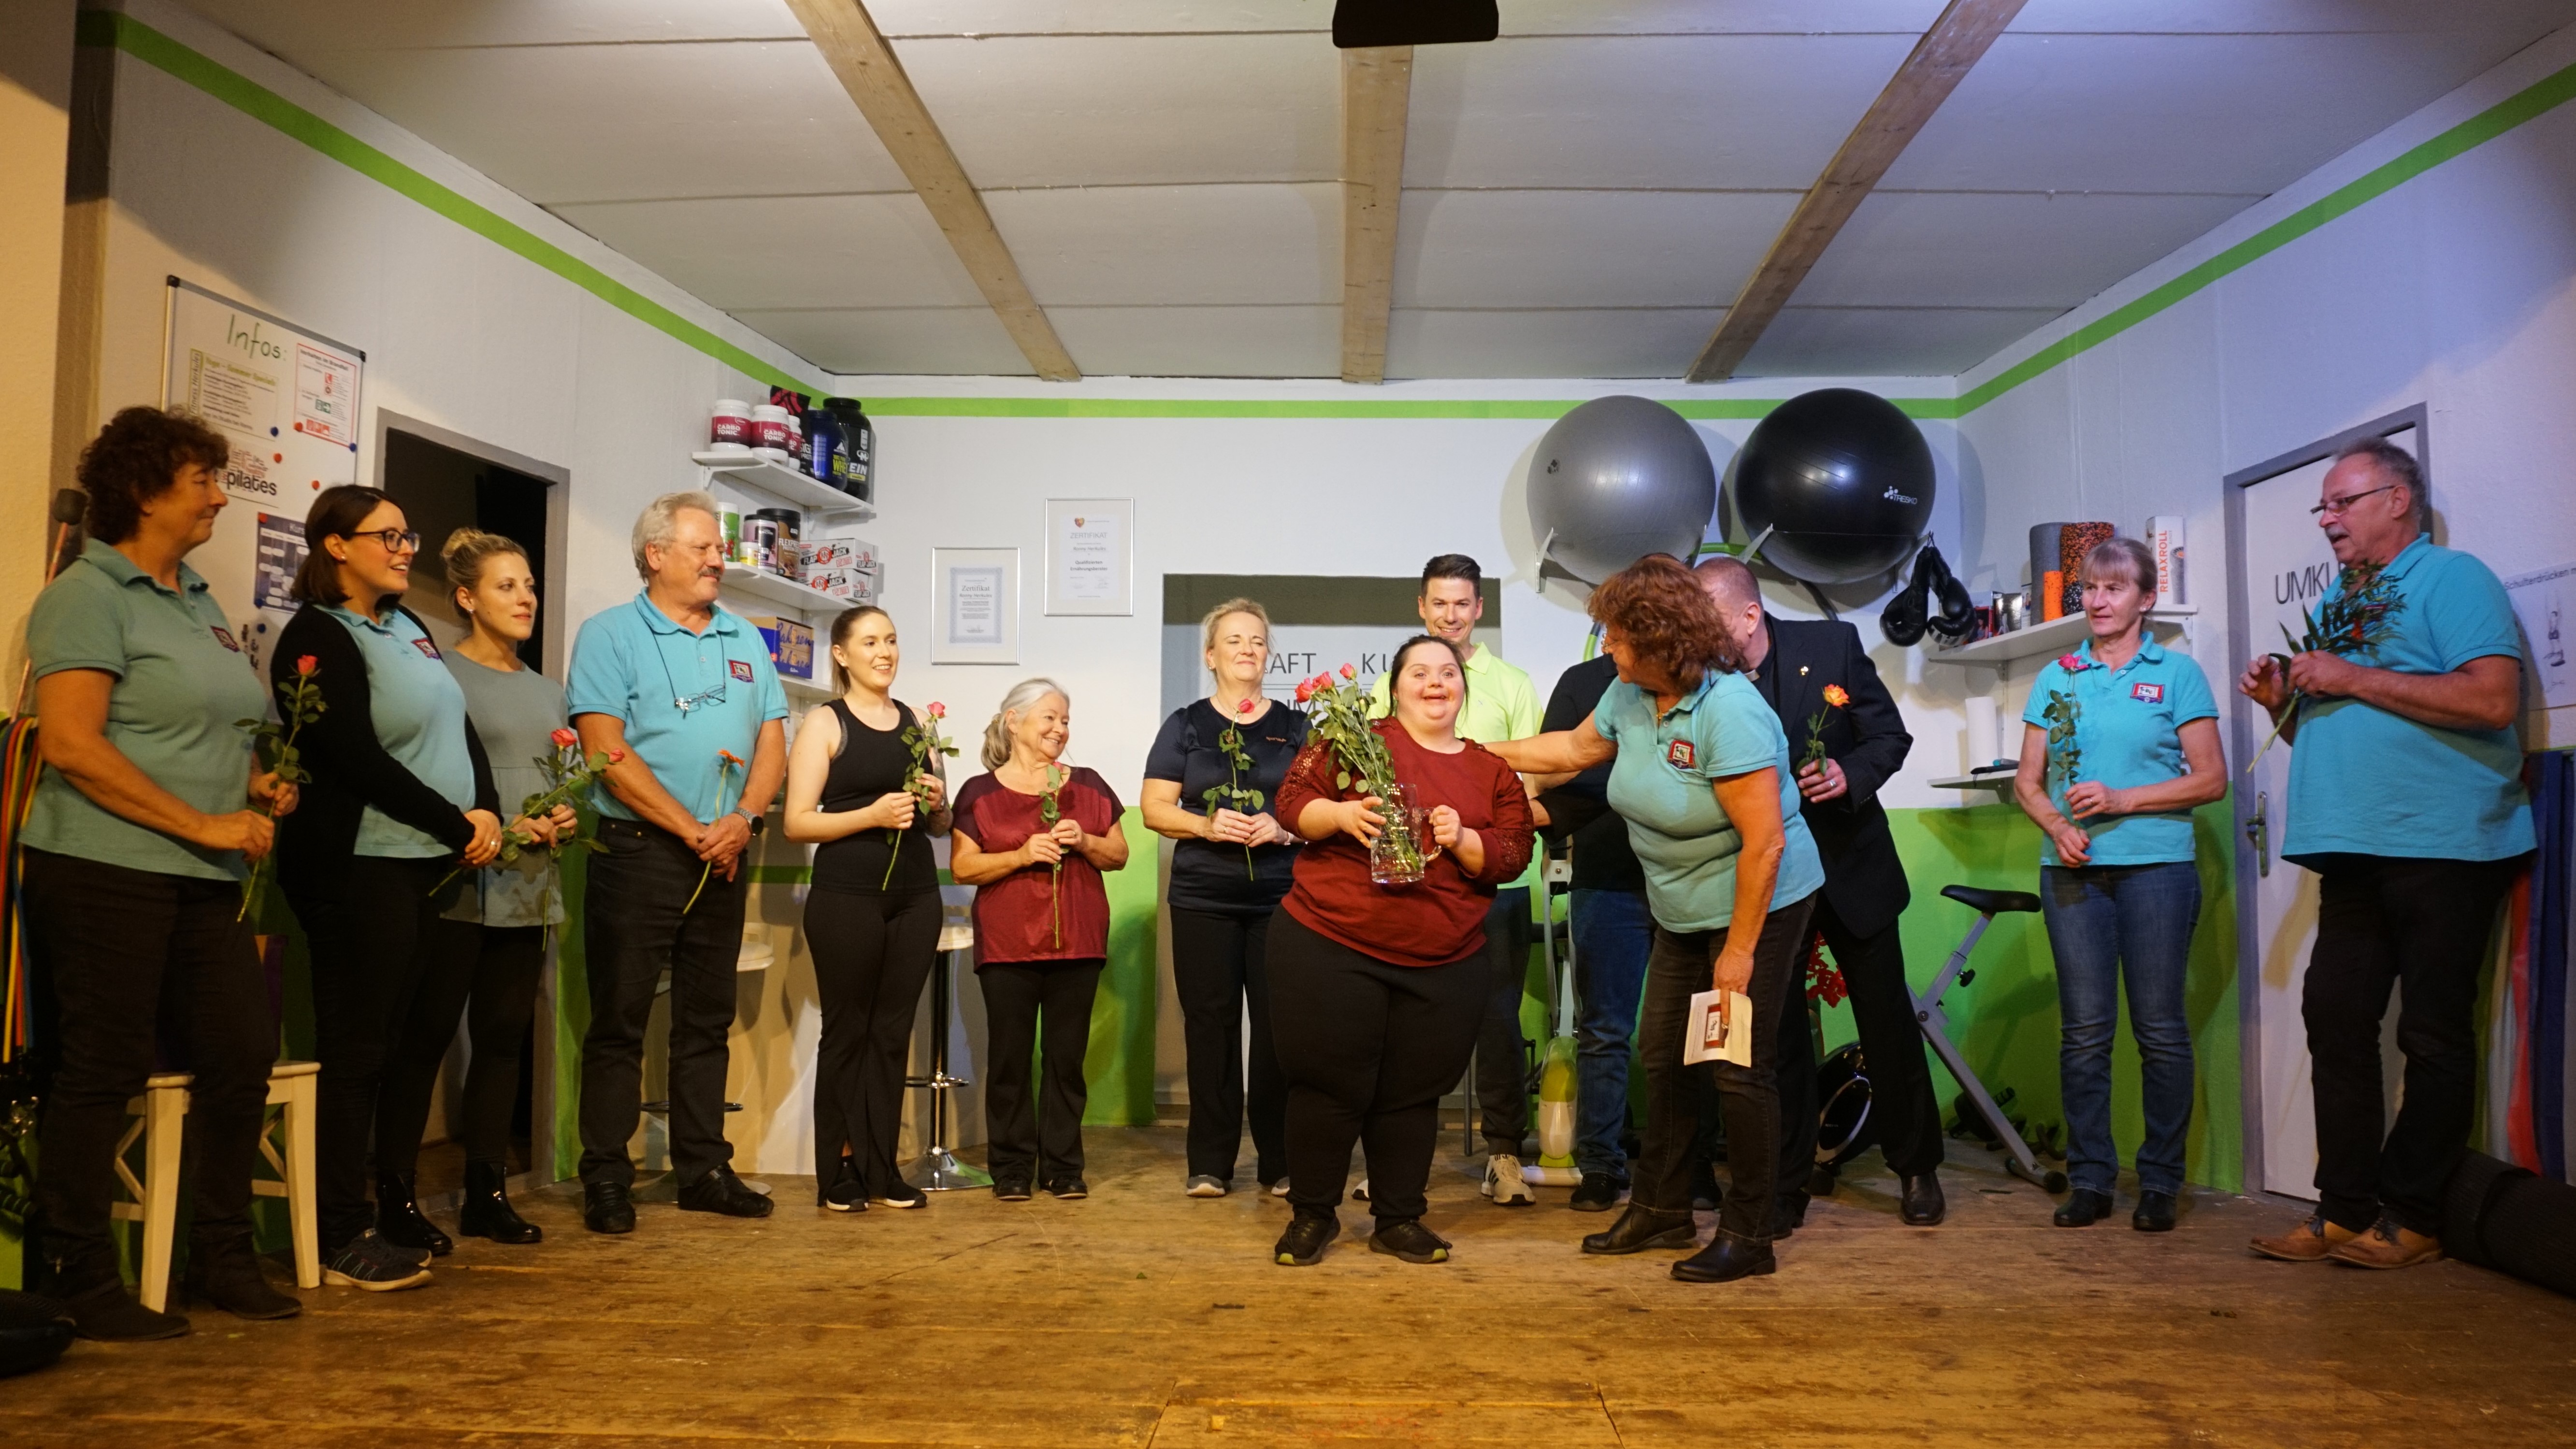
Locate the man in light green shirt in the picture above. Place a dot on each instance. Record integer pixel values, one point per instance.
(1501, 705)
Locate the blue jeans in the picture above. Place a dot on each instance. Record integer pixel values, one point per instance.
(2104, 920)
(1612, 933)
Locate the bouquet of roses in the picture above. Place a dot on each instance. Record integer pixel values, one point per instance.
(2357, 620)
(923, 740)
(1339, 712)
(1229, 742)
(299, 704)
(570, 774)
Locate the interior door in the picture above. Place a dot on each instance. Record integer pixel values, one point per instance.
(2282, 564)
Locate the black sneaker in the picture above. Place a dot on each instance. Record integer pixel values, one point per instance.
(607, 1207)
(1011, 1189)
(1068, 1188)
(1599, 1192)
(1408, 1239)
(1309, 1233)
(370, 1263)
(722, 1192)
(106, 1313)
(901, 1195)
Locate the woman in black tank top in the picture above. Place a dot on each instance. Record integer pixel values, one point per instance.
(872, 918)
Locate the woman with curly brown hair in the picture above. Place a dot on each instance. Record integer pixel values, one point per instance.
(1699, 768)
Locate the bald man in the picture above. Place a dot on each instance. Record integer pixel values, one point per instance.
(1793, 662)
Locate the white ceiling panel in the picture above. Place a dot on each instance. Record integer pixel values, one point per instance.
(1202, 341)
(790, 251)
(913, 341)
(1734, 17)
(1150, 245)
(622, 122)
(298, 28)
(1581, 248)
(1644, 342)
(1131, 110)
(899, 18)
(2233, 113)
(2002, 249)
(1762, 112)
(1842, 341)
(2528, 18)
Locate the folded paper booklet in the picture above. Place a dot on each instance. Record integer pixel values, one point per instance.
(1710, 1035)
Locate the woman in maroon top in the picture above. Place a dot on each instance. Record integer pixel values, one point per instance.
(1376, 991)
(1041, 931)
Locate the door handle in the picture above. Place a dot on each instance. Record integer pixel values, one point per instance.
(2259, 834)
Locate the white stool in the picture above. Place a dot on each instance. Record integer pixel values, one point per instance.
(160, 1120)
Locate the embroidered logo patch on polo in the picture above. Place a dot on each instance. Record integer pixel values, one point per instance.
(2147, 693)
(425, 647)
(224, 637)
(741, 669)
(1680, 755)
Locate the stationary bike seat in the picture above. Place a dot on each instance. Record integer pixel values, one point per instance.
(1993, 903)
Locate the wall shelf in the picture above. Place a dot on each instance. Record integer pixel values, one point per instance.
(743, 581)
(2057, 636)
(1999, 781)
(755, 474)
(804, 689)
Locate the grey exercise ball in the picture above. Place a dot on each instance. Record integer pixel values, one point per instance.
(1842, 479)
(1616, 479)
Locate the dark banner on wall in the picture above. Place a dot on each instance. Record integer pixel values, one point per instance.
(1317, 622)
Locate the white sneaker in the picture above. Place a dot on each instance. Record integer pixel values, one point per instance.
(1280, 1188)
(1205, 1185)
(1360, 1193)
(1504, 1183)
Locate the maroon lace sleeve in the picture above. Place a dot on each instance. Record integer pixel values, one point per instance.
(1310, 778)
(1507, 840)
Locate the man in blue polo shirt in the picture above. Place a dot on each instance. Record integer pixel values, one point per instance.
(681, 695)
(2406, 798)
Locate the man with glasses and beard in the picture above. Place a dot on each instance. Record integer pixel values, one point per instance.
(681, 695)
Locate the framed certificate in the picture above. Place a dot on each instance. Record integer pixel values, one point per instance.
(1090, 561)
(977, 591)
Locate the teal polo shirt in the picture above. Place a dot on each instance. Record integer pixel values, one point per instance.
(2367, 781)
(182, 687)
(419, 714)
(2128, 732)
(1663, 785)
(685, 698)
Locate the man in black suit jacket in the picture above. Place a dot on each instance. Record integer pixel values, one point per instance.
(1792, 662)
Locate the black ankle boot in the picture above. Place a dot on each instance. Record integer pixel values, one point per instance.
(399, 1220)
(1726, 1260)
(93, 1295)
(1643, 1228)
(227, 1274)
(486, 1211)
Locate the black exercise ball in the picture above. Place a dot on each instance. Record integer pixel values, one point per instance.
(1616, 479)
(1842, 479)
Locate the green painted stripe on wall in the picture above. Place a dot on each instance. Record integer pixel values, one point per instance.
(1539, 410)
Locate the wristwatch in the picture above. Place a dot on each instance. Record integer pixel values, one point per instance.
(756, 822)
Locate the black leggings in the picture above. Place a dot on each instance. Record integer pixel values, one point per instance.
(1368, 1047)
(373, 941)
(1219, 972)
(488, 975)
(1036, 1134)
(871, 955)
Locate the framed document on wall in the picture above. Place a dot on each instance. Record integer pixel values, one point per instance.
(977, 591)
(1091, 555)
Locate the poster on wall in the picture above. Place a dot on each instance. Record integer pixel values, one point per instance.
(287, 401)
(1090, 556)
(977, 591)
(2545, 604)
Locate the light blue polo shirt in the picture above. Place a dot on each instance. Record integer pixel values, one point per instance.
(2371, 782)
(2128, 732)
(685, 698)
(182, 687)
(1662, 784)
(419, 714)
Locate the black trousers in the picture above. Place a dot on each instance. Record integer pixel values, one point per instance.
(1502, 1053)
(871, 955)
(488, 976)
(1219, 972)
(638, 922)
(1041, 1010)
(373, 938)
(1748, 1097)
(1368, 1048)
(2386, 922)
(1903, 1106)
(127, 962)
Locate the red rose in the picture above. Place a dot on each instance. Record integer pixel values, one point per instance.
(938, 710)
(306, 664)
(617, 757)
(2069, 663)
(1305, 690)
(1244, 708)
(565, 739)
(1348, 672)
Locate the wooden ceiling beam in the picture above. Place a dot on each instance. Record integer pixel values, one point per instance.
(1377, 90)
(868, 70)
(1953, 46)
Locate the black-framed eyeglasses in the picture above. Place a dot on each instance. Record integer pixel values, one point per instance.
(395, 540)
(2343, 505)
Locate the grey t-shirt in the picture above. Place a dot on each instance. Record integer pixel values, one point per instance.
(516, 713)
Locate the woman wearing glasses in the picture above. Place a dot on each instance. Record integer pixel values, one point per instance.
(401, 796)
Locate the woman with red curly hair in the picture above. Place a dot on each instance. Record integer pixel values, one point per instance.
(1699, 768)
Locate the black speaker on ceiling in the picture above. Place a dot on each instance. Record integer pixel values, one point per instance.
(1358, 24)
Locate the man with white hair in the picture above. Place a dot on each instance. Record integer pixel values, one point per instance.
(681, 696)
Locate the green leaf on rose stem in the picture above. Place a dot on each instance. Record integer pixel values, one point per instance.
(593, 842)
(1342, 780)
(1256, 797)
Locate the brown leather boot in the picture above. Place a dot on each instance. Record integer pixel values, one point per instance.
(2387, 1245)
(2309, 1242)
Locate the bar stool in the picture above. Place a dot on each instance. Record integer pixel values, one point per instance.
(160, 1124)
(938, 1170)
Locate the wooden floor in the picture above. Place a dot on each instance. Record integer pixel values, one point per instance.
(1140, 1317)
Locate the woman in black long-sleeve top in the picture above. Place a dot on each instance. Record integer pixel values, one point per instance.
(400, 796)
